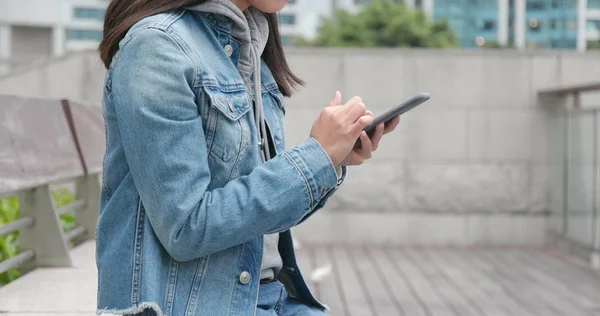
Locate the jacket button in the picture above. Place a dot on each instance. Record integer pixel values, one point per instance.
(245, 277)
(228, 50)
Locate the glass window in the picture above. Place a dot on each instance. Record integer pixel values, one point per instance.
(89, 13)
(287, 19)
(84, 35)
(535, 5)
(594, 4)
(489, 25)
(593, 26)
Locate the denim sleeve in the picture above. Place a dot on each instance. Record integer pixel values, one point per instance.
(165, 147)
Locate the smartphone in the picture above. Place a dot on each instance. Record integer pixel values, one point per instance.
(398, 110)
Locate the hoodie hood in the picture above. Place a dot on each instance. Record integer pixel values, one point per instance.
(250, 28)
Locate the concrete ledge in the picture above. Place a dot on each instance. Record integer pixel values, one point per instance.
(418, 229)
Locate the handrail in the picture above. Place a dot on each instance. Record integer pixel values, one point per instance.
(25, 222)
(78, 231)
(74, 206)
(566, 90)
(42, 237)
(570, 90)
(17, 260)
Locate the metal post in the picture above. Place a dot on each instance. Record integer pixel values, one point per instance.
(45, 238)
(88, 190)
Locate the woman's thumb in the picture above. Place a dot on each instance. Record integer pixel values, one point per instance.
(337, 99)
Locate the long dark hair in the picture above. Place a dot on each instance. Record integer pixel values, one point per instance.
(121, 15)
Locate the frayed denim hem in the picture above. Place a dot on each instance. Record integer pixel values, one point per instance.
(132, 310)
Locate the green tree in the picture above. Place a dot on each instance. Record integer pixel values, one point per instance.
(384, 23)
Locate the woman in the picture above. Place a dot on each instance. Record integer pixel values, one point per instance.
(199, 192)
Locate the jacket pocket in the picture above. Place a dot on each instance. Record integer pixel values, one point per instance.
(228, 131)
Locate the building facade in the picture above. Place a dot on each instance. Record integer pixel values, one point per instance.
(35, 30)
(524, 24)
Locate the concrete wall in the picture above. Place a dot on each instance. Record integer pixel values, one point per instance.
(480, 163)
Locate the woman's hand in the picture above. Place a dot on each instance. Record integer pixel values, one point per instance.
(368, 145)
(338, 127)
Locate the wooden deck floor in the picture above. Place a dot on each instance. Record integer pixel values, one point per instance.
(383, 281)
(356, 281)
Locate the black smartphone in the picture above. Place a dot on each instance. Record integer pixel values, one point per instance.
(398, 110)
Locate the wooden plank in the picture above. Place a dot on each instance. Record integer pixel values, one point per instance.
(484, 284)
(400, 287)
(356, 297)
(433, 302)
(379, 292)
(455, 296)
(36, 144)
(328, 284)
(587, 281)
(525, 292)
(565, 298)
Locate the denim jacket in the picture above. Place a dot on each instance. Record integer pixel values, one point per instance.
(185, 198)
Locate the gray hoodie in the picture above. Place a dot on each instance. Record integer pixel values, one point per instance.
(251, 29)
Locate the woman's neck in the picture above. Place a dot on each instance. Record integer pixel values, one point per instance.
(242, 4)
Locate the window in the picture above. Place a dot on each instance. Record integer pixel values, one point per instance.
(593, 26)
(572, 25)
(553, 24)
(594, 4)
(287, 19)
(489, 25)
(535, 5)
(292, 2)
(89, 13)
(84, 35)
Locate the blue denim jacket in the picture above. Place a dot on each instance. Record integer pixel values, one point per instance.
(185, 198)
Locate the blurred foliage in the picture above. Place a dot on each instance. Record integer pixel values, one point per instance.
(593, 45)
(496, 45)
(383, 23)
(9, 211)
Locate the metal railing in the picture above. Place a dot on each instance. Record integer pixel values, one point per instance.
(578, 226)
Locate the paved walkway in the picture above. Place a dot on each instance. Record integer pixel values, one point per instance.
(373, 281)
